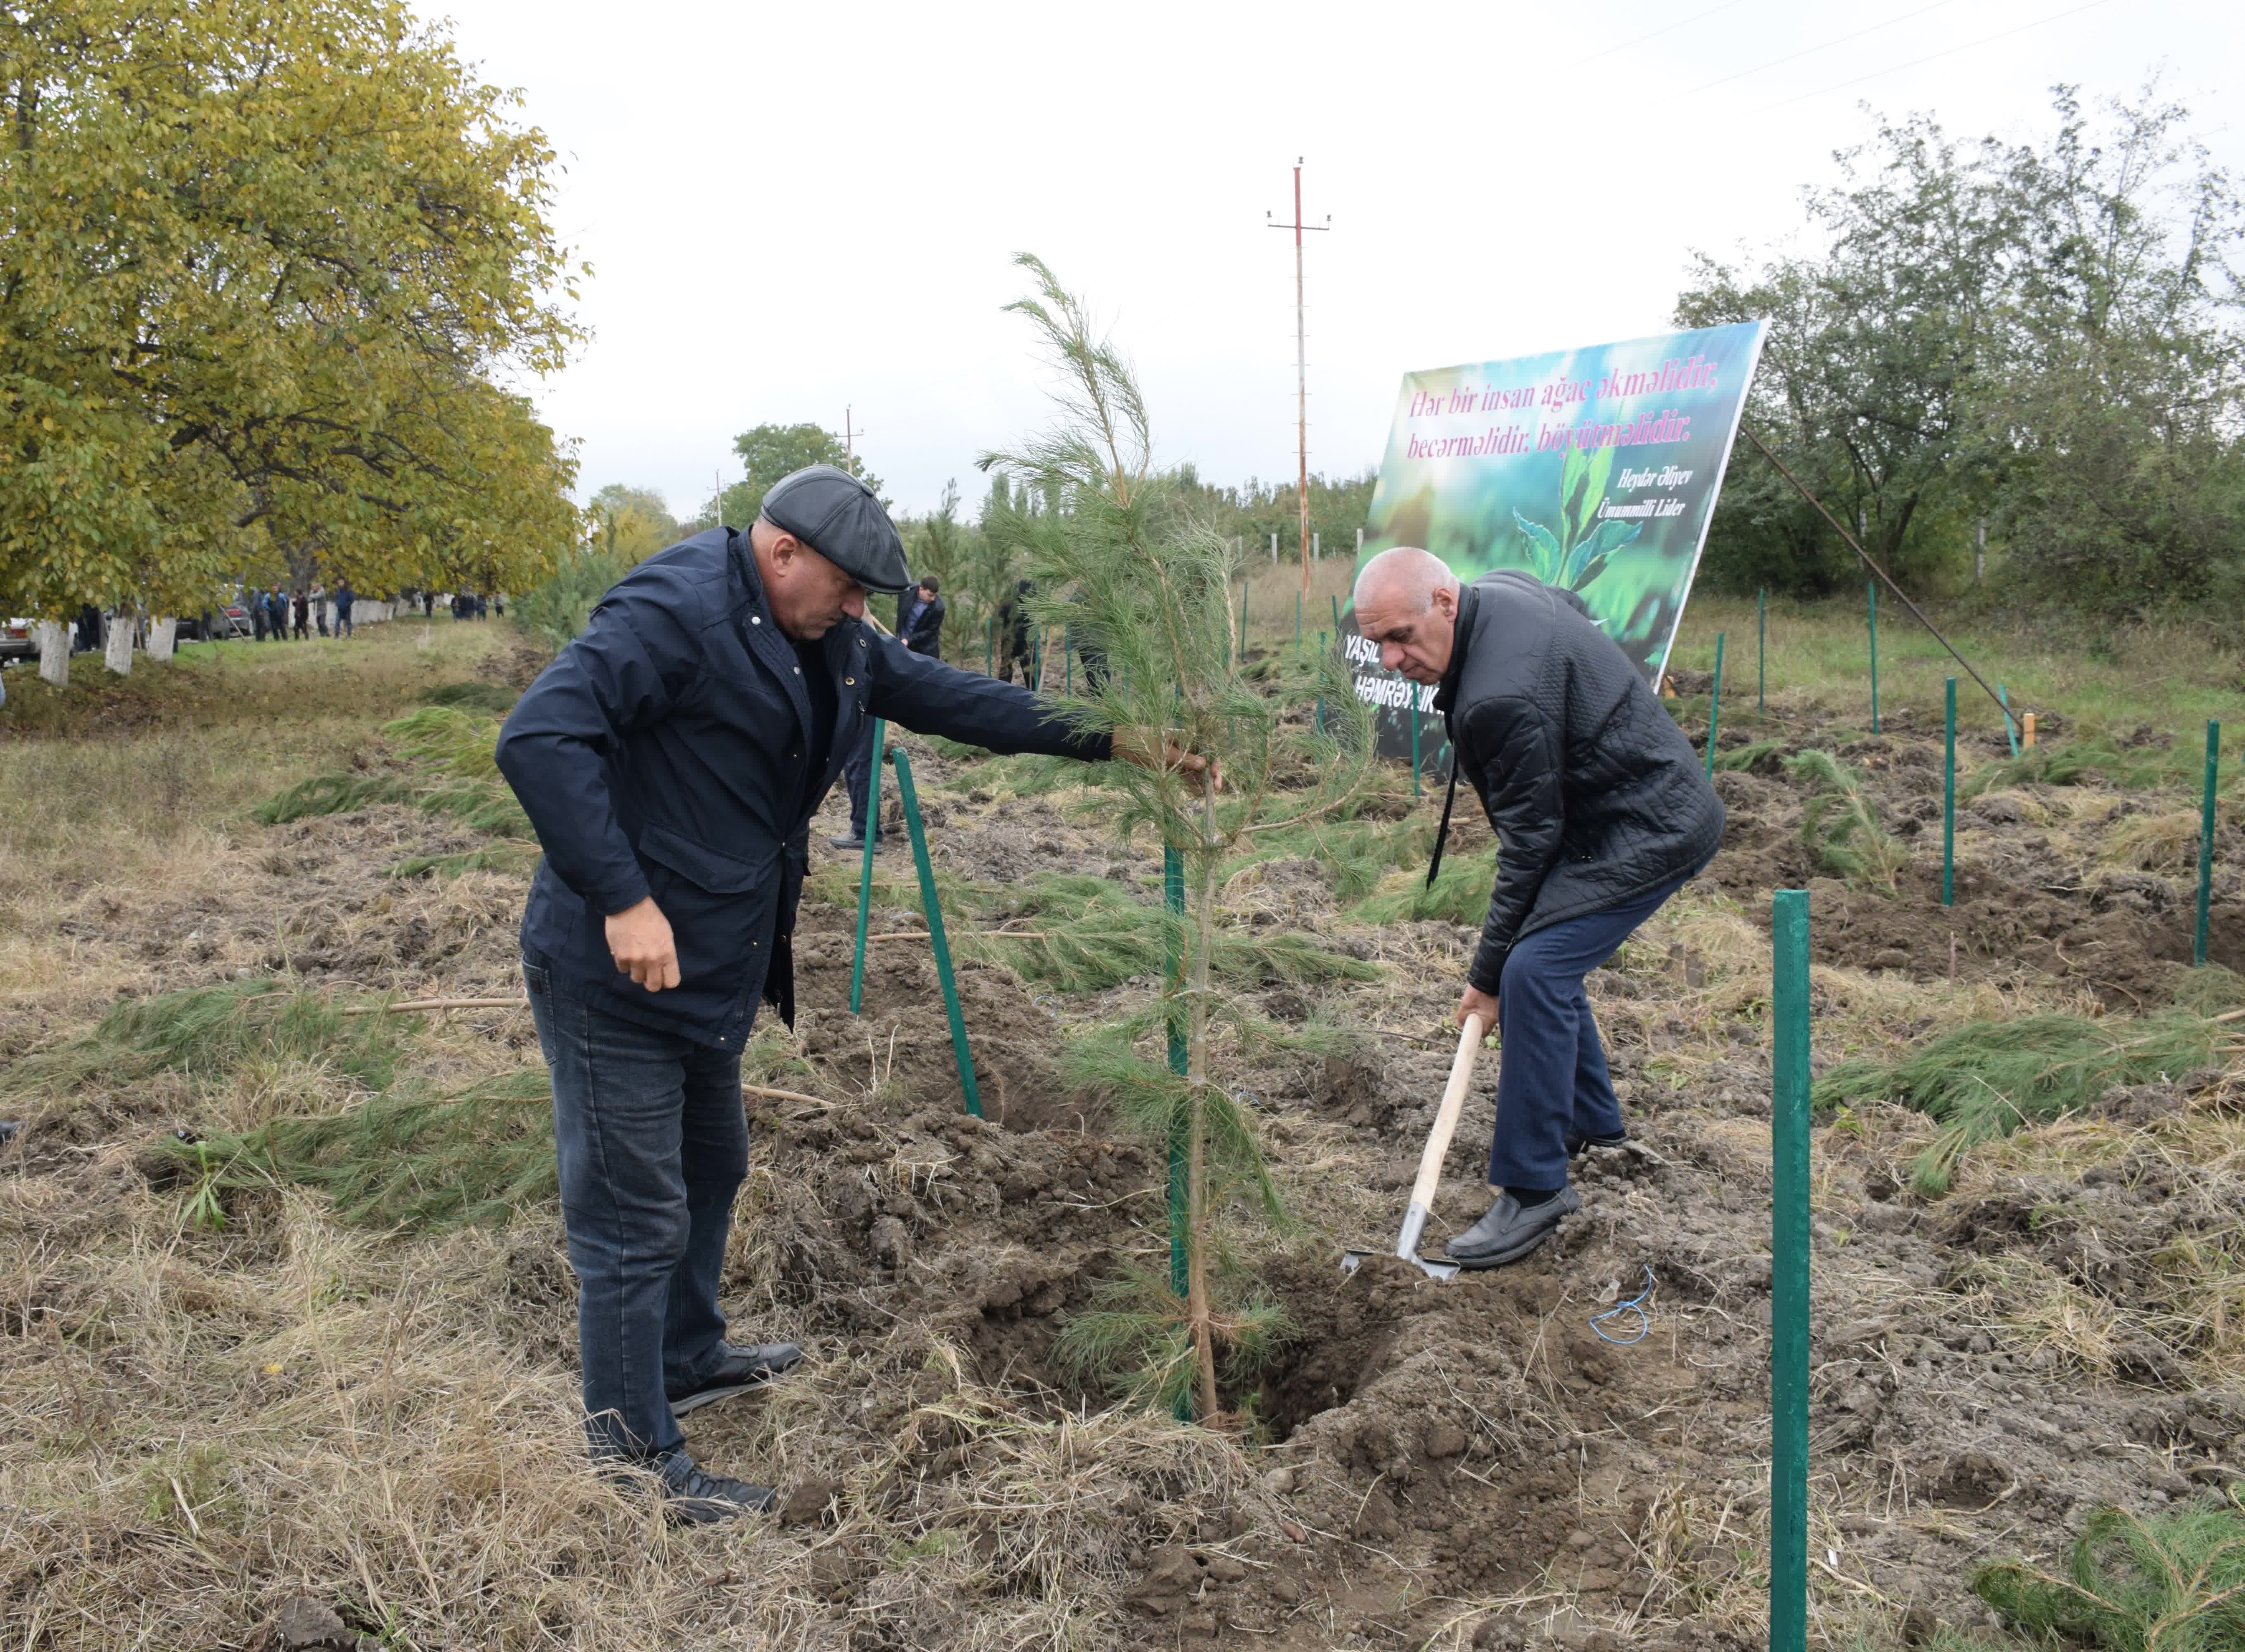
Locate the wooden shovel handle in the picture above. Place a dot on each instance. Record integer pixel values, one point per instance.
(1446, 1120)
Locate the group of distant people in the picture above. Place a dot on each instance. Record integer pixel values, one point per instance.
(273, 612)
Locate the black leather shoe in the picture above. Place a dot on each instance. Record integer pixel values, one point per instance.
(848, 843)
(1576, 1144)
(737, 1371)
(1509, 1232)
(693, 1496)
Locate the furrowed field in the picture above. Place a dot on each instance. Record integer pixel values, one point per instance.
(284, 1314)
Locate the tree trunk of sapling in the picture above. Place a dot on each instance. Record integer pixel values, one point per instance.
(1197, 1312)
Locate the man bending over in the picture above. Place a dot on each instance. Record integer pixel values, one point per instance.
(1601, 811)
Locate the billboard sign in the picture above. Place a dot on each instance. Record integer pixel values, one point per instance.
(1594, 469)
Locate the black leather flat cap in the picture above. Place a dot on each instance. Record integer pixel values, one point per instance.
(836, 516)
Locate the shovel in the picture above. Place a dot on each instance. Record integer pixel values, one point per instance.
(1430, 1162)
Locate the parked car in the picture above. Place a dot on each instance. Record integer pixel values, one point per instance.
(19, 639)
(215, 624)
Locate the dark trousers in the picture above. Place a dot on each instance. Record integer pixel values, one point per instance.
(857, 776)
(1553, 1082)
(342, 622)
(652, 1144)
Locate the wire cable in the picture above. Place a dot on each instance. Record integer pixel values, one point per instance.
(1841, 86)
(1665, 28)
(1634, 1305)
(1826, 46)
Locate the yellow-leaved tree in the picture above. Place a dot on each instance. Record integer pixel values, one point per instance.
(271, 274)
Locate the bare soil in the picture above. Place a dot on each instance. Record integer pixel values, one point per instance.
(1485, 1462)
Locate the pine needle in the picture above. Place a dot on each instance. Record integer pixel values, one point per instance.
(1840, 824)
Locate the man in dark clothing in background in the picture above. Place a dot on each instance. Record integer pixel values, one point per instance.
(260, 620)
(1602, 811)
(303, 606)
(919, 627)
(276, 613)
(344, 597)
(1014, 632)
(670, 759)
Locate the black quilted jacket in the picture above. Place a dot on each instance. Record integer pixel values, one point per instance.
(1596, 795)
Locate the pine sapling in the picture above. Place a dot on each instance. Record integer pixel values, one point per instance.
(1147, 588)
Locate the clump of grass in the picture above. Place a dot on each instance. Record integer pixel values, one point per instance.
(2165, 843)
(1987, 1078)
(2080, 762)
(409, 1160)
(2169, 1583)
(496, 698)
(332, 794)
(451, 752)
(206, 1033)
(1840, 824)
(1460, 894)
(497, 857)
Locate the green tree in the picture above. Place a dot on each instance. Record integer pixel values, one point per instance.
(2042, 338)
(770, 452)
(261, 268)
(1151, 586)
(627, 524)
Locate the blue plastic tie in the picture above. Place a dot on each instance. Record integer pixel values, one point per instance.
(1634, 1305)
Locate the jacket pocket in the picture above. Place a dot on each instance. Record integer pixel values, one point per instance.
(720, 905)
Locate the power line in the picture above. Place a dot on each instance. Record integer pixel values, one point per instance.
(1809, 50)
(1666, 29)
(1932, 57)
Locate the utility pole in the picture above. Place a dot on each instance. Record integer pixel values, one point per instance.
(848, 442)
(1301, 370)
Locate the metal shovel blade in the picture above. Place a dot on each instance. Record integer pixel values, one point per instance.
(1432, 1269)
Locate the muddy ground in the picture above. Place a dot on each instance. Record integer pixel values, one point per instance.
(1481, 1462)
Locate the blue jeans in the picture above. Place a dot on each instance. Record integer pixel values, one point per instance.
(1553, 1082)
(653, 1142)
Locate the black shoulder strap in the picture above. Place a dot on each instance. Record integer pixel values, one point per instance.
(1449, 797)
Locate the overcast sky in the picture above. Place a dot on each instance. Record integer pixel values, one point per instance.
(795, 210)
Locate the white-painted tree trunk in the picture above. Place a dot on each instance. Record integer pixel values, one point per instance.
(116, 650)
(162, 634)
(54, 653)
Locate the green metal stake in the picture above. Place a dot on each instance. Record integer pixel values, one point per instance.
(1037, 663)
(1173, 898)
(2206, 842)
(990, 649)
(866, 875)
(1761, 649)
(1715, 706)
(1243, 618)
(1949, 796)
(1788, 1470)
(2011, 723)
(1068, 660)
(1336, 608)
(1874, 656)
(935, 910)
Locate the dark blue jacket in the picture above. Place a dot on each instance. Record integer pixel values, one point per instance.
(665, 752)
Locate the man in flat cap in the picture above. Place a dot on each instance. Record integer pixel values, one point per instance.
(670, 759)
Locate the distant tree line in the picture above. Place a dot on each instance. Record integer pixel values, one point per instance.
(2032, 346)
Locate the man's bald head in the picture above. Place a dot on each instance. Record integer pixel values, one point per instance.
(1406, 601)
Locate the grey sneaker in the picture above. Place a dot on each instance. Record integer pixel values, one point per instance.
(692, 1496)
(737, 1371)
(1509, 1232)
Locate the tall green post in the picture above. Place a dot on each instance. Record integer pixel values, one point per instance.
(1788, 1471)
(1067, 659)
(935, 910)
(1243, 618)
(1874, 588)
(1173, 900)
(2011, 723)
(1949, 795)
(1761, 649)
(1336, 608)
(866, 875)
(2206, 842)
(990, 648)
(1715, 706)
